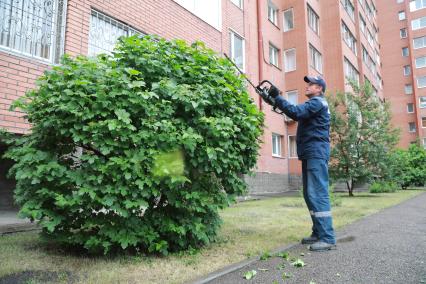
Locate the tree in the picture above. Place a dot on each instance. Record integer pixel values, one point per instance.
(361, 135)
(136, 150)
(407, 167)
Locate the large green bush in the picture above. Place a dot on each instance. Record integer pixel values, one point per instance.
(408, 167)
(95, 169)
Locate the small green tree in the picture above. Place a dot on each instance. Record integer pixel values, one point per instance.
(408, 167)
(137, 150)
(361, 135)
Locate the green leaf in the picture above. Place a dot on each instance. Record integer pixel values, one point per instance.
(250, 274)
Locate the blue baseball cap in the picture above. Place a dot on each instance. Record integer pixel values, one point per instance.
(315, 80)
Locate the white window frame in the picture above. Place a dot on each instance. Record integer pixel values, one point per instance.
(417, 39)
(24, 35)
(204, 12)
(349, 8)
(274, 53)
(412, 129)
(350, 71)
(290, 156)
(288, 68)
(232, 36)
(403, 35)
(420, 62)
(362, 24)
(313, 20)
(423, 119)
(294, 93)
(410, 105)
(417, 5)
(422, 104)
(286, 27)
(238, 3)
(315, 58)
(408, 89)
(405, 52)
(421, 86)
(401, 15)
(99, 42)
(272, 13)
(405, 69)
(348, 38)
(418, 23)
(277, 145)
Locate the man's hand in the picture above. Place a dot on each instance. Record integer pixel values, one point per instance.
(267, 98)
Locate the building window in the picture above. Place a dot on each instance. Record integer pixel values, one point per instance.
(348, 37)
(418, 23)
(408, 89)
(421, 82)
(292, 147)
(237, 50)
(405, 51)
(377, 56)
(419, 42)
(401, 15)
(290, 60)
(362, 24)
(412, 127)
(399, 1)
(370, 38)
(33, 28)
(410, 108)
(422, 101)
(417, 5)
(292, 97)
(349, 7)
(424, 121)
(350, 71)
(313, 20)
(276, 145)
(238, 3)
(288, 20)
(209, 11)
(403, 33)
(420, 62)
(272, 13)
(316, 58)
(407, 70)
(273, 55)
(104, 32)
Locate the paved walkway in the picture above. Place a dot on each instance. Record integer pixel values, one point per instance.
(387, 247)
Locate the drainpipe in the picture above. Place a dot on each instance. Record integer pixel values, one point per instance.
(259, 45)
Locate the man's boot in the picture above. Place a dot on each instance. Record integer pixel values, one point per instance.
(321, 246)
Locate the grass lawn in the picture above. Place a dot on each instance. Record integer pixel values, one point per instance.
(250, 228)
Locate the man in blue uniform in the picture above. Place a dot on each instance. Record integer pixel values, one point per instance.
(313, 149)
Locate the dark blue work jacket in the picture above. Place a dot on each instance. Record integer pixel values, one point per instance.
(313, 130)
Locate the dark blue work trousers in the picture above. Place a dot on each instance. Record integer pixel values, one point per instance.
(315, 192)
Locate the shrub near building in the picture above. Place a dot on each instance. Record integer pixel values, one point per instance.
(94, 171)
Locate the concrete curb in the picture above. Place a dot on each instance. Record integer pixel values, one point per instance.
(233, 267)
(16, 228)
(236, 266)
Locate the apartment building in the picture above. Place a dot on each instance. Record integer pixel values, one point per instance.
(278, 40)
(403, 40)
